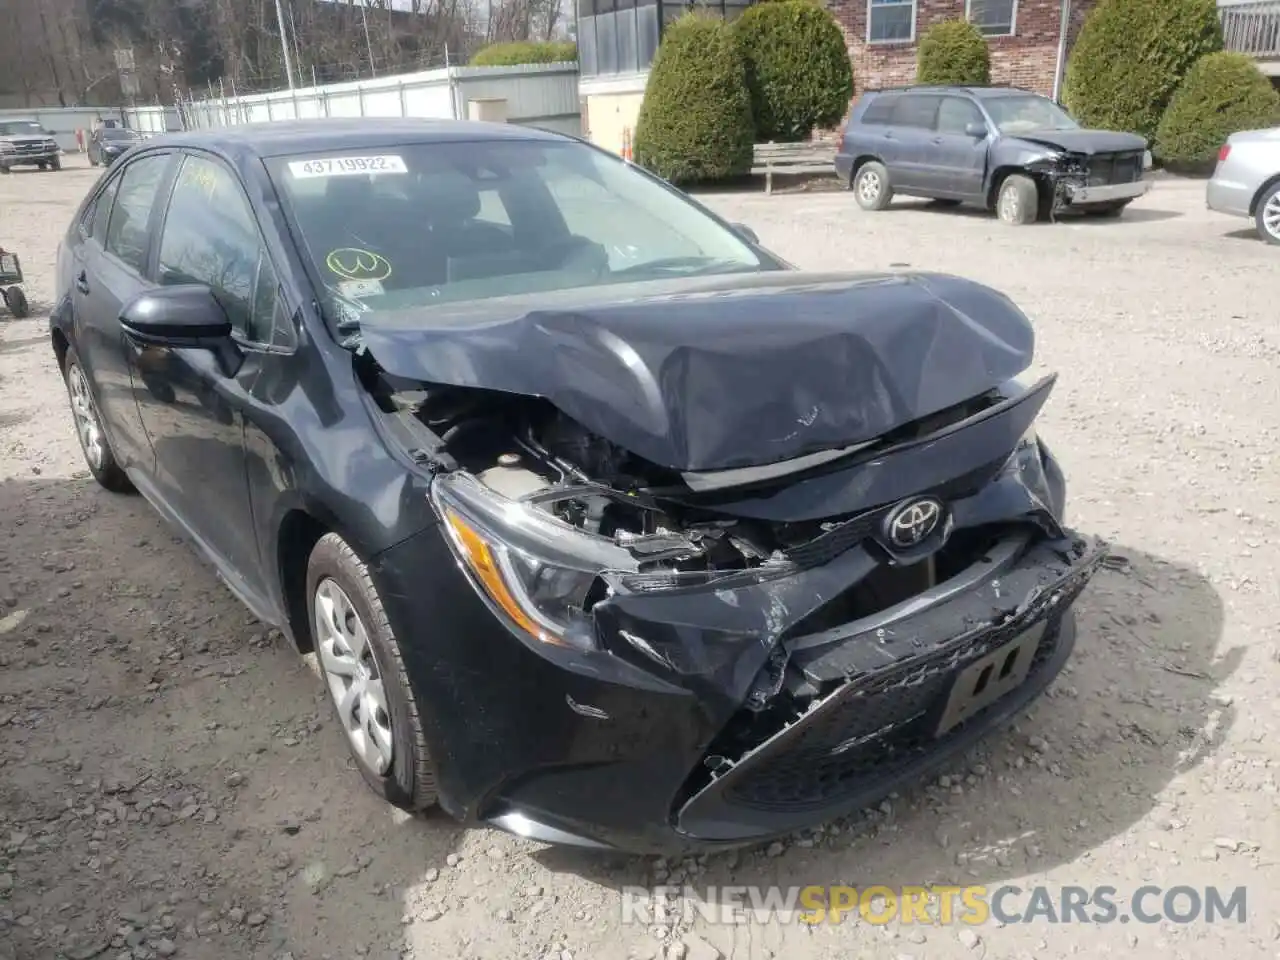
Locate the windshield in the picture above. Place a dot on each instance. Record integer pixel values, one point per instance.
(1024, 114)
(425, 224)
(118, 133)
(10, 128)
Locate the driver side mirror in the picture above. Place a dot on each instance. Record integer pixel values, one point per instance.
(182, 316)
(976, 130)
(746, 233)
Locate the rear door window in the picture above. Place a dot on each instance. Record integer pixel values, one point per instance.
(917, 110)
(127, 235)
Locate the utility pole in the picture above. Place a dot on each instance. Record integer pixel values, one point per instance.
(364, 15)
(284, 44)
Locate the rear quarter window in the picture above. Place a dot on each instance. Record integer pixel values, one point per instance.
(879, 111)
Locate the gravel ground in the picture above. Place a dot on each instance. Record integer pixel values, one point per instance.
(171, 782)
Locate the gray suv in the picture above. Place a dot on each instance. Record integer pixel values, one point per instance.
(26, 143)
(1009, 150)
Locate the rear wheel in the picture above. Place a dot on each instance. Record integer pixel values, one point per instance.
(871, 186)
(93, 439)
(364, 672)
(1018, 201)
(1267, 217)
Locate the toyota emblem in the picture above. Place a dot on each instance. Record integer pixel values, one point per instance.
(911, 523)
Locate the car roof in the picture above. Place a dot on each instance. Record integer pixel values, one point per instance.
(291, 137)
(983, 93)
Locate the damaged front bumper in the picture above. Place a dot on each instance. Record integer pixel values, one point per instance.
(913, 686)
(694, 727)
(1078, 193)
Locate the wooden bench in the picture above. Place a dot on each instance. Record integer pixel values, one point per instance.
(808, 157)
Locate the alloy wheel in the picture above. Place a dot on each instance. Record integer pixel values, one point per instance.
(88, 428)
(1271, 216)
(869, 186)
(1009, 205)
(352, 675)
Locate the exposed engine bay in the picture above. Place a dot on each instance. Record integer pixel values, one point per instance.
(657, 532)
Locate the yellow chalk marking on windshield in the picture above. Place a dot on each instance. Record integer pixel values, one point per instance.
(352, 263)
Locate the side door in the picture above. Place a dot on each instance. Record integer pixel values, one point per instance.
(959, 159)
(108, 270)
(190, 400)
(913, 119)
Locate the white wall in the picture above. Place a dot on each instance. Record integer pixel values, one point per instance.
(542, 95)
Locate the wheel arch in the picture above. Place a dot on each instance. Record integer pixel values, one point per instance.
(860, 161)
(299, 530)
(1261, 192)
(61, 344)
(1005, 171)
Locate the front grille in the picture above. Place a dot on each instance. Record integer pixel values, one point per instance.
(1111, 168)
(828, 545)
(31, 148)
(872, 732)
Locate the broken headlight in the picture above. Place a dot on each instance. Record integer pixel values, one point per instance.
(537, 573)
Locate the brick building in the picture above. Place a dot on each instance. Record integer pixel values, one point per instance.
(1024, 36)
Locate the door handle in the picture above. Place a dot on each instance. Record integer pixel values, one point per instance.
(888, 136)
(937, 139)
(82, 282)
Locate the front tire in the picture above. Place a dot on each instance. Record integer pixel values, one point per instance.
(1018, 202)
(364, 672)
(94, 444)
(1267, 217)
(871, 186)
(55, 164)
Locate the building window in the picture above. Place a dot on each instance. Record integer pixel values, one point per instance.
(891, 21)
(995, 18)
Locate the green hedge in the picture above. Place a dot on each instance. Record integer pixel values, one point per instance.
(695, 121)
(953, 51)
(1130, 57)
(798, 70)
(525, 51)
(1222, 94)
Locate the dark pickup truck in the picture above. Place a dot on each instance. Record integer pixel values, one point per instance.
(1009, 150)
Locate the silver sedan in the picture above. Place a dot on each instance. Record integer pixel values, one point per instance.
(1246, 181)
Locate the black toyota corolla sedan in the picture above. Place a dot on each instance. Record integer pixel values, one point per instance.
(606, 526)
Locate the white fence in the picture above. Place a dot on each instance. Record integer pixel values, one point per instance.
(540, 95)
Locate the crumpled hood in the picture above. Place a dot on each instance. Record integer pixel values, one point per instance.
(712, 373)
(1087, 142)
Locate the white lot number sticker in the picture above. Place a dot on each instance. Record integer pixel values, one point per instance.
(346, 166)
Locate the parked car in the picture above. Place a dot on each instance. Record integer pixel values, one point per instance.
(588, 545)
(1009, 150)
(109, 144)
(27, 143)
(1246, 180)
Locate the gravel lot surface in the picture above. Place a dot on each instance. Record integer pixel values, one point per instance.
(172, 784)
